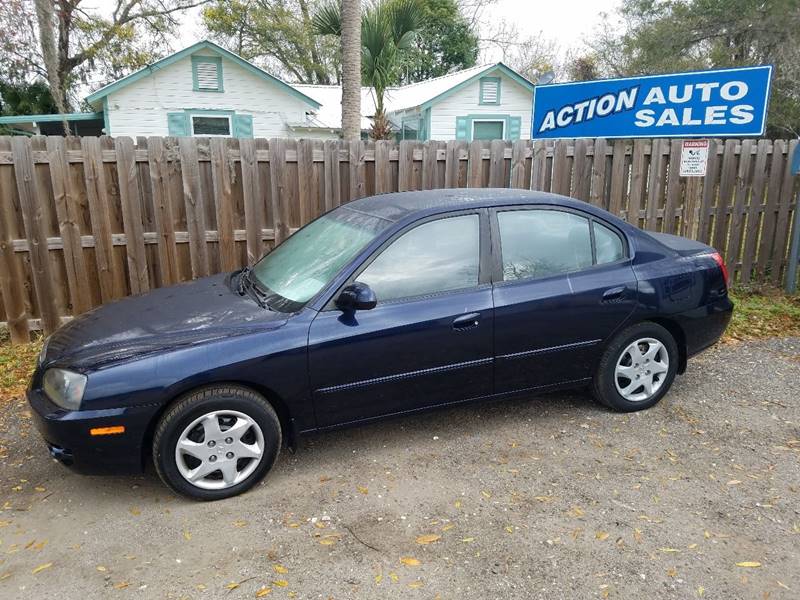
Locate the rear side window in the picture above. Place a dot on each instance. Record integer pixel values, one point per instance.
(608, 245)
(437, 256)
(540, 243)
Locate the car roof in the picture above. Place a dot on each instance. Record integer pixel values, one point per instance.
(397, 206)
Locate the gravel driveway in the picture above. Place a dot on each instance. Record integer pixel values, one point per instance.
(546, 497)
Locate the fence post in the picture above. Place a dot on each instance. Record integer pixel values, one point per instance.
(794, 249)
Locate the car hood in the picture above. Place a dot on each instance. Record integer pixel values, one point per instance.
(187, 314)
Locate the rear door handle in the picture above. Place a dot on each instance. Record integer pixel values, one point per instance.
(467, 321)
(614, 294)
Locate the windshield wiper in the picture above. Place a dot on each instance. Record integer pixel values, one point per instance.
(246, 285)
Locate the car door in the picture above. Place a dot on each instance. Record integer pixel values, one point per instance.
(563, 284)
(428, 340)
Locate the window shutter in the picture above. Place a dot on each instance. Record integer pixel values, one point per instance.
(461, 128)
(243, 126)
(178, 124)
(514, 125)
(207, 76)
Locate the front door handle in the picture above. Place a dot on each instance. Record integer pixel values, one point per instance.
(467, 321)
(614, 294)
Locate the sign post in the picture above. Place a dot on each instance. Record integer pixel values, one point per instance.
(720, 103)
(794, 249)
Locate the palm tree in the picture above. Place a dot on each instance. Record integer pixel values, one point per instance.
(351, 69)
(387, 28)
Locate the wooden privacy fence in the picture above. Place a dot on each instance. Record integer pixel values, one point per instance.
(88, 220)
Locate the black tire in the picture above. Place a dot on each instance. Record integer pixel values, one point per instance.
(603, 383)
(198, 403)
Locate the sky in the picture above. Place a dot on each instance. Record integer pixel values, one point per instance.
(569, 22)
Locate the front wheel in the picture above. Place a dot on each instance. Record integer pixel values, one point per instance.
(637, 368)
(216, 442)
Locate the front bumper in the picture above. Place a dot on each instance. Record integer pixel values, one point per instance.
(67, 436)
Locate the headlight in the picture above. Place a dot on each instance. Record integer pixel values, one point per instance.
(64, 388)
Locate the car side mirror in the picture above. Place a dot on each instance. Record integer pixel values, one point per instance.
(356, 296)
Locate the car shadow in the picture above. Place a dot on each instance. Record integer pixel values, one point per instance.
(317, 452)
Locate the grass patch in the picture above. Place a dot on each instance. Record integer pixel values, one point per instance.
(763, 313)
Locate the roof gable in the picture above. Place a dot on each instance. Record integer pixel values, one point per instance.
(203, 45)
(490, 69)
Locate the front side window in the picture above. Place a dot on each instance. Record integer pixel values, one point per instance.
(308, 260)
(541, 243)
(437, 256)
(205, 125)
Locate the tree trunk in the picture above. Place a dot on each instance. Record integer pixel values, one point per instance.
(45, 17)
(351, 69)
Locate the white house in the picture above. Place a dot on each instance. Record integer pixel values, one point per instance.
(205, 90)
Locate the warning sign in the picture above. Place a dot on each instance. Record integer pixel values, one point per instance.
(694, 158)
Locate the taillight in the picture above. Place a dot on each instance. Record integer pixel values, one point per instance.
(718, 259)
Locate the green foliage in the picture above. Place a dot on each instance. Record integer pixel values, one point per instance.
(26, 98)
(675, 35)
(388, 29)
(445, 43)
(277, 34)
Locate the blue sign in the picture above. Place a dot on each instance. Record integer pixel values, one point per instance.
(728, 102)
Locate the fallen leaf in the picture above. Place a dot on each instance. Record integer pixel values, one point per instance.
(135, 511)
(750, 564)
(280, 582)
(448, 527)
(601, 535)
(637, 535)
(509, 529)
(669, 549)
(701, 590)
(486, 494)
(576, 511)
(468, 540)
(428, 538)
(263, 592)
(362, 490)
(457, 504)
(328, 540)
(232, 585)
(393, 576)
(378, 578)
(415, 584)
(734, 482)
(102, 569)
(121, 585)
(39, 488)
(41, 568)
(673, 572)
(239, 523)
(280, 569)
(409, 561)
(187, 535)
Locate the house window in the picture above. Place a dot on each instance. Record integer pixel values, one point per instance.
(410, 129)
(217, 125)
(207, 73)
(489, 90)
(488, 130)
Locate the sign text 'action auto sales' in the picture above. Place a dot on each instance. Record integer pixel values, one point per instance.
(705, 103)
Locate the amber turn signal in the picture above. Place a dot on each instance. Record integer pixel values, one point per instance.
(107, 430)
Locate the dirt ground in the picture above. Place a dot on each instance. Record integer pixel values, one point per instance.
(547, 497)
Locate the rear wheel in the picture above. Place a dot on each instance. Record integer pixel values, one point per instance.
(637, 368)
(216, 442)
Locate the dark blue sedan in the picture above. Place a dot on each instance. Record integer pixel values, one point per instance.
(385, 306)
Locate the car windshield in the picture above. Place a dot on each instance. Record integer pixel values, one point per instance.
(307, 261)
